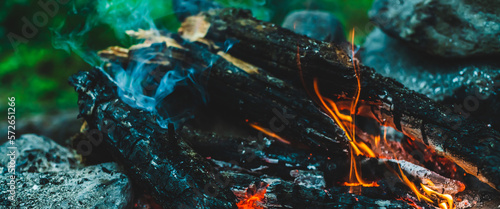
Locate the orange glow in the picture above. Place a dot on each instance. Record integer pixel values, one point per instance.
(269, 133)
(252, 202)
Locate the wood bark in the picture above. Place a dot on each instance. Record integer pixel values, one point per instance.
(298, 59)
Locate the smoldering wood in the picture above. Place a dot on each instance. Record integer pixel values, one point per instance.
(163, 164)
(471, 144)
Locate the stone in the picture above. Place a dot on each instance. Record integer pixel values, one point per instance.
(37, 154)
(470, 86)
(319, 25)
(432, 76)
(446, 28)
(89, 187)
(48, 175)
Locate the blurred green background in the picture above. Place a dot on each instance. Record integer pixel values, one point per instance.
(36, 73)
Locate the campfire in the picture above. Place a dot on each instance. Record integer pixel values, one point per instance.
(234, 112)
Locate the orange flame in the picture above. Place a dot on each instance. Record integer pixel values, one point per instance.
(347, 124)
(448, 199)
(269, 133)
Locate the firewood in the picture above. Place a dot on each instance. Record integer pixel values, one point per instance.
(425, 176)
(155, 158)
(295, 58)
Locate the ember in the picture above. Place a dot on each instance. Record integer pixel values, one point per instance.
(254, 197)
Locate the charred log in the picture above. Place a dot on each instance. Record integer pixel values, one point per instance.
(161, 162)
(471, 144)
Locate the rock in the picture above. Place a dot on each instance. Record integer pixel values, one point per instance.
(470, 86)
(447, 28)
(59, 126)
(435, 77)
(37, 154)
(49, 176)
(90, 187)
(319, 25)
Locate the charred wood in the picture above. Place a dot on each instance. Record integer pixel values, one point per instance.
(471, 144)
(157, 160)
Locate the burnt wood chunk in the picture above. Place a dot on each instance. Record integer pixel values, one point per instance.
(163, 164)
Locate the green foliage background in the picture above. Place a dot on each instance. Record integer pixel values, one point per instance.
(36, 73)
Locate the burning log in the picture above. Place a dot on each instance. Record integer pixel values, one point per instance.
(472, 145)
(155, 157)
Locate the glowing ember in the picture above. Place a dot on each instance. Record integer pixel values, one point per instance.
(254, 197)
(269, 133)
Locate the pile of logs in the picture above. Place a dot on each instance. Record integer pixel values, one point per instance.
(254, 72)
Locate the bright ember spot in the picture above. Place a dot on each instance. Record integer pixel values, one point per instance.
(269, 133)
(254, 197)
